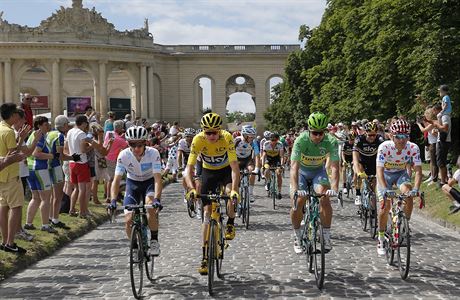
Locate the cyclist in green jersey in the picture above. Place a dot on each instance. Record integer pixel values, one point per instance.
(308, 160)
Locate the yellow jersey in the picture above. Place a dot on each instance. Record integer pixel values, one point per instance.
(215, 156)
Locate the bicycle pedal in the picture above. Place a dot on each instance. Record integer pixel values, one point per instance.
(226, 245)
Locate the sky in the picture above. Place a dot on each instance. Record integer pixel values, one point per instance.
(204, 22)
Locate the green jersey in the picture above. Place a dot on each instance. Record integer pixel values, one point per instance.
(313, 156)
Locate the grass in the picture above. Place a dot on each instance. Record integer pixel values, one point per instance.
(45, 244)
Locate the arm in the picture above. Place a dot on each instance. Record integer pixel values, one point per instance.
(381, 178)
(28, 150)
(335, 175)
(37, 153)
(418, 177)
(158, 185)
(62, 155)
(235, 175)
(357, 166)
(189, 176)
(11, 158)
(294, 178)
(115, 187)
(282, 156)
(180, 155)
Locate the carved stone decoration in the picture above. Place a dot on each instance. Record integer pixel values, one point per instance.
(233, 87)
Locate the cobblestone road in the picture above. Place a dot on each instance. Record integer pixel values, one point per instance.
(260, 262)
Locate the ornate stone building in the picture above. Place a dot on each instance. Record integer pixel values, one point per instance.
(77, 52)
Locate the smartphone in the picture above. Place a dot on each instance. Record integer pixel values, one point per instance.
(110, 135)
(89, 136)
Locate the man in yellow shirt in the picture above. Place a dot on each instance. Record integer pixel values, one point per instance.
(11, 190)
(220, 168)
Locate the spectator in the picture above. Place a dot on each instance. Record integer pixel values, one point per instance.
(77, 146)
(452, 192)
(127, 122)
(443, 125)
(25, 105)
(39, 177)
(108, 124)
(445, 102)
(55, 140)
(174, 129)
(118, 143)
(426, 126)
(90, 114)
(100, 151)
(11, 191)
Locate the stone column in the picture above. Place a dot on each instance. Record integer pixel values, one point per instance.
(8, 82)
(151, 97)
(262, 102)
(103, 88)
(56, 100)
(219, 102)
(144, 97)
(2, 85)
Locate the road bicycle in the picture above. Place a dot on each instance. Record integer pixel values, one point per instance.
(367, 211)
(312, 241)
(244, 206)
(216, 238)
(397, 234)
(273, 187)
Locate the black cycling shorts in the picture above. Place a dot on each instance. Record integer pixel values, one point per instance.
(274, 161)
(212, 180)
(245, 162)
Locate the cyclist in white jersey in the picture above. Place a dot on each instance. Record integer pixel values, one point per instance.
(393, 156)
(247, 152)
(143, 167)
(261, 147)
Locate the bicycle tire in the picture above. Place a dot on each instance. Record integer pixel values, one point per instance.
(191, 209)
(136, 259)
(211, 255)
(389, 253)
(373, 220)
(319, 259)
(246, 207)
(274, 187)
(363, 216)
(309, 244)
(242, 205)
(220, 235)
(403, 249)
(149, 262)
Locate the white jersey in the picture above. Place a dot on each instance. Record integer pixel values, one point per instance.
(243, 149)
(273, 151)
(262, 142)
(184, 147)
(139, 170)
(393, 160)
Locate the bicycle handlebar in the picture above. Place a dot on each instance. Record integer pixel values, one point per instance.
(296, 196)
(403, 196)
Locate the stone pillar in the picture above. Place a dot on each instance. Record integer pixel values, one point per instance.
(8, 82)
(262, 102)
(2, 85)
(151, 97)
(56, 100)
(144, 97)
(103, 88)
(219, 102)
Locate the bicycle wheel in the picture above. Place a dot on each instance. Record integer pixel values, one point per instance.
(403, 250)
(309, 244)
(363, 215)
(220, 237)
(318, 253)
(340, 198)
(390, 253)
(373, 216)
(191, 209)
(211, 255)
(136, 262)
(246, 207)
(242, 204)
(149, 261)
(274, 184)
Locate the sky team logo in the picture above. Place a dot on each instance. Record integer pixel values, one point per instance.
(215, 161)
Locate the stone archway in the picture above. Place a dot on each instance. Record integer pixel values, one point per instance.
(199, 93)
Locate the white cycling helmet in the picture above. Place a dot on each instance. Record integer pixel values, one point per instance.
(267, 134)
(248, 131)
(189, 132)
(136, 133)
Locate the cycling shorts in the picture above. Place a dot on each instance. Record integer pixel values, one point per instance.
(393, 178)
(245, 162)
(212, 180)
(273, 161)
(39, 180)
(369, 167)
(57, 175)
(317, 176)
(137, 191)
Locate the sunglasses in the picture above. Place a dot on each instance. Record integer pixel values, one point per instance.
(317, 133)
(274, 140)
(211, 132)
(137, 145)
(401, 136)
(372, 134)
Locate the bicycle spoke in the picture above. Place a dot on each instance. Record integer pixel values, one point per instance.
(136, 262)
(403, 250)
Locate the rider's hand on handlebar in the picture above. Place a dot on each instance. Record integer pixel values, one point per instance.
(266, 166)
(157, 204)
(300, 193)
(235, 195)
(389, 193)
(191, 194)
(414, 193)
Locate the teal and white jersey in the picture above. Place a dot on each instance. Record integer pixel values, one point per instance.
(35, 163)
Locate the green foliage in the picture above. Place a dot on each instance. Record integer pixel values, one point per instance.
(370, 58)
(238, 116)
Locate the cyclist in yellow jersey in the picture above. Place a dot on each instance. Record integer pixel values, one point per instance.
(220, 168)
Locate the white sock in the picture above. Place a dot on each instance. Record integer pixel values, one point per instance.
(326, 231)
(251, 190)
(55, 221)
